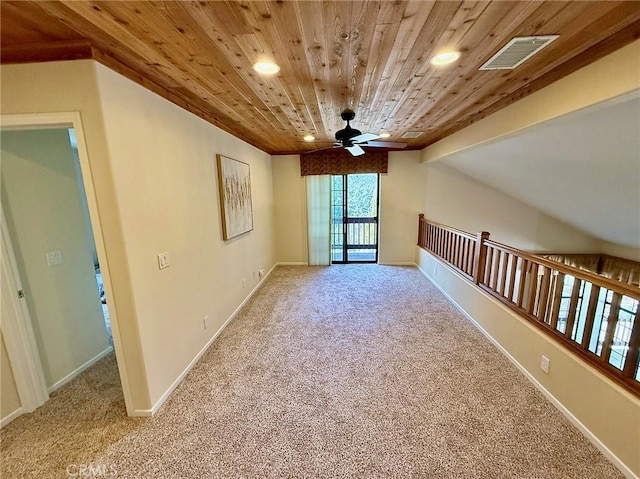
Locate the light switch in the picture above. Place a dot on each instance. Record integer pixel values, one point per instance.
(163, 260)
(54, 258)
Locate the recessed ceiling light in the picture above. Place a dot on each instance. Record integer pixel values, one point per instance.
(308, 138)
(266, 68)
(445, 58)
(385, 135)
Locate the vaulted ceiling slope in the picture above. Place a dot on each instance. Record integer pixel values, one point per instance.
(582, 168)
(370, 56)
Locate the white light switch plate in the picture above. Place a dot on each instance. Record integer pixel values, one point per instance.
(54, 258)
(163, 260)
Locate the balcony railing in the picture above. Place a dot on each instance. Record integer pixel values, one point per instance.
(593, 316)
(361, 235)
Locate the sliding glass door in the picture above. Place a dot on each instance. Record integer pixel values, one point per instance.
(354, 218)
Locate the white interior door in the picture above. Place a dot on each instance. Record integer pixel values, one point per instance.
(17, 331)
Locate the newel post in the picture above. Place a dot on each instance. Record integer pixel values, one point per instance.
(421, 232)
(479, 256)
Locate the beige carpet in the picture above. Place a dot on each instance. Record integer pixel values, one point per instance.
(348, 371)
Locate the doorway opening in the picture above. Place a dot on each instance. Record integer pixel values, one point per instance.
(92, 243)
(58, 328)
(354, 218)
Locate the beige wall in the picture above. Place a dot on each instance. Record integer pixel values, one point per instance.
(605, 409)
(72, 87)
(401, 199)
(621, 251)
(43, 208)
(457, 200)
(164, 171)
(9, 399)
(152, 167)
(289, 196)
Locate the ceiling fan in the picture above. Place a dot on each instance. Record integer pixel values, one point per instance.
(353, 140)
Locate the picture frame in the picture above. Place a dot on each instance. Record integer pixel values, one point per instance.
(234, 185)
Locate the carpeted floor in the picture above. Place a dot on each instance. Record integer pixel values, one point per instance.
(348, 371)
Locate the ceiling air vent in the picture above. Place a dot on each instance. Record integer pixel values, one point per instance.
(516, 52)
(412, 134)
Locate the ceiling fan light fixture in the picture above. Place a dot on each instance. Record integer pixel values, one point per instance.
(308, 138)
(444, 58)
(385, 135)
(266, 68)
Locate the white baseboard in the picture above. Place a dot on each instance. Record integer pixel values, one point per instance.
(565, 412)
(10, 417)
(194, 361)
(397, 263)
(291, 263)
(77, 371)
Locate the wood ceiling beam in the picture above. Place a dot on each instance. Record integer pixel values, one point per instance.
(46, 51)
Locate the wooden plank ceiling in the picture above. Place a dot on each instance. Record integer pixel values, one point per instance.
(371, 56)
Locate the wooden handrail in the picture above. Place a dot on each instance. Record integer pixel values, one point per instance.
(547, 294)
(448, 228)
(596, 279)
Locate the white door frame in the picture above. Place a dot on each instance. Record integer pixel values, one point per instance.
(34, 121)
(17, 331)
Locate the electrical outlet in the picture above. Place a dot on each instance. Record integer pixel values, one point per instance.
(544, 364)
(163, 260)
(435, 271)
(205, 321)
(243, 282)
(261, 272)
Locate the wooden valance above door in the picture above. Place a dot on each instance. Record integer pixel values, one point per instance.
(338, 161)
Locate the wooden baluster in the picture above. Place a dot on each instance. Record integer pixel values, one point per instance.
(421, 235)
(448, 246)
(470, 254)
(488, 266)
(591, 316)
(634, 348)
(532, 274)
(465, 255)
(479, 255)
(524, 267)
(495, 269)
(544, 294)
(612, 321)
(512, 276)
(557, 299)
(503, 273)
(459, 256)
(452, 248)
(433, 238)
(573, 307)
(426, 235)
(445, 236)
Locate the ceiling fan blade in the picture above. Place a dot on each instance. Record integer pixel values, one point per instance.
(364, 137)
(355, 150)
(386, 144)
(325, 148)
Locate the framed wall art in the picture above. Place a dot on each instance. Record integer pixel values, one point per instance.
(234, 182)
